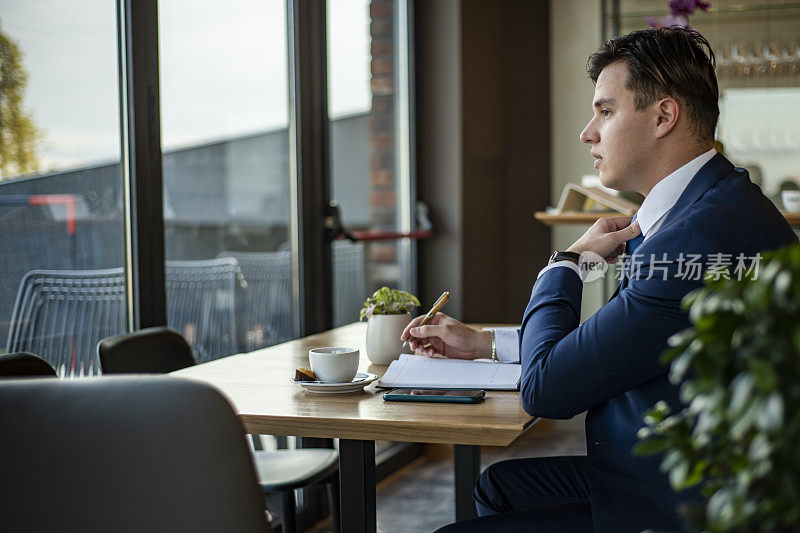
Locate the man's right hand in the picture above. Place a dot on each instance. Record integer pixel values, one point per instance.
(448, 337)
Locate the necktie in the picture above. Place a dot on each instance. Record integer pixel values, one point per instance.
(634, 243)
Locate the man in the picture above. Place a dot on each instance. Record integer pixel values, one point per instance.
(652, 131)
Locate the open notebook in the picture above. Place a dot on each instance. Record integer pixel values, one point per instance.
(418, 371)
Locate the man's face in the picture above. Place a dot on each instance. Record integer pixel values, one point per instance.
(621, 137)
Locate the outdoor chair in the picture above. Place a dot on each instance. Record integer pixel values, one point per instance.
(349, 281)
(201, 304)
(61, 314)
(265, 312)
(159, 349)
(122, 454)
(24, 365)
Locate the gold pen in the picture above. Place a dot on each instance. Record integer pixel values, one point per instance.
(435, 309)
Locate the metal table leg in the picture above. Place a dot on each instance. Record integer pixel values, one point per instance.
(467, 459)
(357, 485)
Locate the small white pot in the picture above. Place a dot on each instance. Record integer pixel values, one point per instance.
(383, 337)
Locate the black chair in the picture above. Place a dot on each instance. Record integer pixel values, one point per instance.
(24, 365)
(157, 350)
(160, 349)
(121, 454)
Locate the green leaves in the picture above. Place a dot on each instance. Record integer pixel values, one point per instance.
(738, 368)
(386, 301)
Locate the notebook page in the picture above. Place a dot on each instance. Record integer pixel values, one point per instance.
(450, 374)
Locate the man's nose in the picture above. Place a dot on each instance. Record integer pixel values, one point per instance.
(589, 133)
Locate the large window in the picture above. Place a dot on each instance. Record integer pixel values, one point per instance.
(225, 138)
(229, 89)
(61, 218)
(368, 111)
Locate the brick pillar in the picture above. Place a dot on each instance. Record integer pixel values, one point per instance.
(382, 193)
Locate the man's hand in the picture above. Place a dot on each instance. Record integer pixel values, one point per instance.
(448, 337)
(607, 237)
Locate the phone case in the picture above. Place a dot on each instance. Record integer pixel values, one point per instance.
(390, 397)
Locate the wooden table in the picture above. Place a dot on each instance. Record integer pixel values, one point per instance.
(258, 386)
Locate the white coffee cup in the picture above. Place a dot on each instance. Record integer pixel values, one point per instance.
(334, 365)
(791, 201)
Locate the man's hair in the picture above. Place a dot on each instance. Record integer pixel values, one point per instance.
(667, 62)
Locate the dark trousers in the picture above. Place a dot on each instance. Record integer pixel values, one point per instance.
(542, 494)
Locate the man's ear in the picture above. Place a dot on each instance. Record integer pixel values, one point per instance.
(667, 112)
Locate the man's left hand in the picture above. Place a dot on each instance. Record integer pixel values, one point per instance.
(607, 237)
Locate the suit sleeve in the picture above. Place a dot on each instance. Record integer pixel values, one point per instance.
(567, 368)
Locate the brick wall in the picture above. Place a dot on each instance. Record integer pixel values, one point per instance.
(383, 195)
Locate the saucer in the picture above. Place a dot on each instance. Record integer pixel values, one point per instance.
(361, 380)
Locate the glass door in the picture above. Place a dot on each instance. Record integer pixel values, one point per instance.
(62, 244)
(226, 156)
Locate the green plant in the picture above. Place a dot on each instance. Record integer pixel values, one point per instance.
(386, 301)
(739, 436)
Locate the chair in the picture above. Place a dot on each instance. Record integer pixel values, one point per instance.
(349, 281)
(265, 314)
(23, 364)
(160, 349)
(201, 304)
(62, 314)
(156, 350)
(121, 454)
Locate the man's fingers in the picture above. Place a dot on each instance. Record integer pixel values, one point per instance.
(413, 323)
(629, 232)
(431, 330)
(617, 223)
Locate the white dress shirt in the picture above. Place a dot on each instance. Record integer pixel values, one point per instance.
(651, 216)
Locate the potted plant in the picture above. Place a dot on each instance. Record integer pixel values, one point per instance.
(388, 312)
(739, 369)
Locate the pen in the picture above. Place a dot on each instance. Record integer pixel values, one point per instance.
(435, 309)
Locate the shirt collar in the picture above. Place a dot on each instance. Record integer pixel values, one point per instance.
(667, 191)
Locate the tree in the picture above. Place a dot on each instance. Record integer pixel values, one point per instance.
(20, 138)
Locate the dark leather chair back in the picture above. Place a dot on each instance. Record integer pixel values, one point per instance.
(158, 350)
(24, 365)
(124, 454)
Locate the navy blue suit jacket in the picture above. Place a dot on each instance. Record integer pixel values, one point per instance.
(609, 365)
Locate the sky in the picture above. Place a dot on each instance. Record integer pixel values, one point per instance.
(223, 69)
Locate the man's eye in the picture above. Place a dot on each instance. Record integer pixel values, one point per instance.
(605, 112)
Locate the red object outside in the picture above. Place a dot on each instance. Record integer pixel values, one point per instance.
(67, 200)
(378, 235)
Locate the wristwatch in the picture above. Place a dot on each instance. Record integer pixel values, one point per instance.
(565, 256)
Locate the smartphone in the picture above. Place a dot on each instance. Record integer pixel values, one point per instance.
(435, 395)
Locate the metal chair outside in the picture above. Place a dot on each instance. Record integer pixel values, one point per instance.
(201, 304)
(62, 314)
(265, 312)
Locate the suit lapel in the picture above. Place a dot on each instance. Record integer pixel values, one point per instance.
(710, 173)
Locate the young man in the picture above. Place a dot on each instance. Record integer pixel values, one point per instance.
(652, 131)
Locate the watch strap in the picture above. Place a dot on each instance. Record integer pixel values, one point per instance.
(565, 256)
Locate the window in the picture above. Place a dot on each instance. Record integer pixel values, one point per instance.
(225, 139)
(61, 216)
(368, 111)
(227, 161)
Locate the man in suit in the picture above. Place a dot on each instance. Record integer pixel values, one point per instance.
(652, 131)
